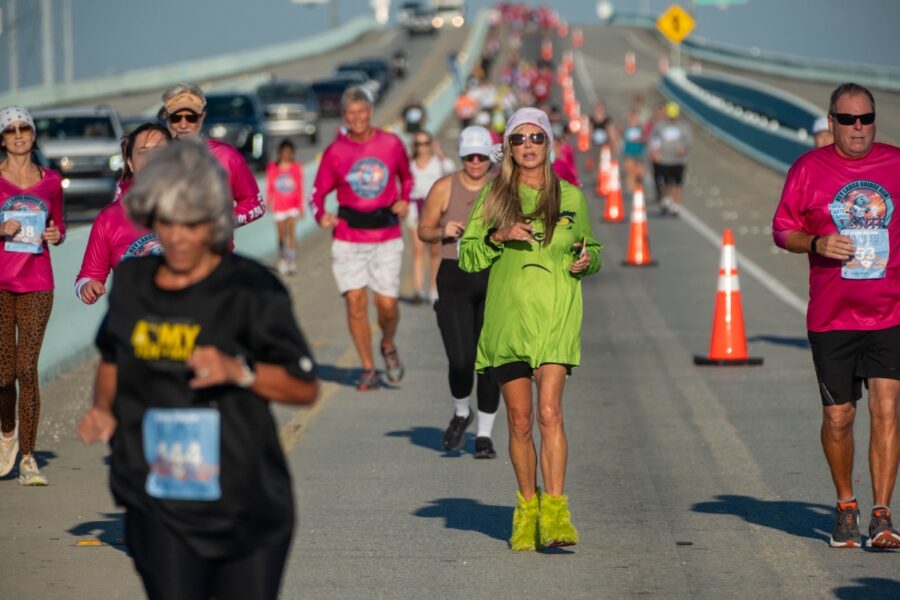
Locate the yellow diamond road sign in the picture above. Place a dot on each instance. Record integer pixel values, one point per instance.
(676, 24)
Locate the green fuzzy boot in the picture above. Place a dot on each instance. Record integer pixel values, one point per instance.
(556, 522)
(525, 523)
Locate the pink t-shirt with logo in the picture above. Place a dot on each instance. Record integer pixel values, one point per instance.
(113, 238)
(248, 202)
(284, 187)
(823, 190)
(365, 176)
(22, 272)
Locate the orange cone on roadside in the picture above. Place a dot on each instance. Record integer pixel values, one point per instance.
(638, 239)
(577, 37)
(547, 49)
(615, 211)
(728, 345)
(584, 134)
(604, 171)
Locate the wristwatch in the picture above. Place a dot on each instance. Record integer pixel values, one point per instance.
(248, 375)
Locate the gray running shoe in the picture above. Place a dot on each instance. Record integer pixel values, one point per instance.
(881, 530)
(484, 448)
(392, 365)
(846, 528)
(368, 380)
(29, 473)
(454, 436)
(9, 448)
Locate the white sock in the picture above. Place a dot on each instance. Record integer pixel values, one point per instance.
(462, 406)
(485, 424)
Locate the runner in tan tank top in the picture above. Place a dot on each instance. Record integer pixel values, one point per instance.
(461, 295)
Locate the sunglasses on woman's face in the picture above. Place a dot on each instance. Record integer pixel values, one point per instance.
(189, 117)
(423, 143)
(22, 129)
(475, 158)
(538, 138)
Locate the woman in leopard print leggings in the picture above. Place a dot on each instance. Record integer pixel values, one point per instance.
(30, 209)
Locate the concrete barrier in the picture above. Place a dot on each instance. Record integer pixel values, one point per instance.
(762, 138)
(73, 325)
(154, 78)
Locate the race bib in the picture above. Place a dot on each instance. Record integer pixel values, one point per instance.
(862, 210)
(30, 238)
(599, 136)
(181, 446)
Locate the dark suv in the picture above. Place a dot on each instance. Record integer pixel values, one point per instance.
(376, 69)
(291, 110)
(237, 119)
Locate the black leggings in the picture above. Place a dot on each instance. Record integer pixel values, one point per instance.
(170, 570)
(460, 314)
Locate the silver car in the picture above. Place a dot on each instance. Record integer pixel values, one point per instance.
(291, 110)
(83, 144)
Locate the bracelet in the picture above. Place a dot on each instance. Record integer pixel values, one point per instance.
(812, 246)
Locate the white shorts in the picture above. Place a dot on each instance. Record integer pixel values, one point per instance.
(376, 266)
(284, 215)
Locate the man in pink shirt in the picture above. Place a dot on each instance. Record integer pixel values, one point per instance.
(184, 106)
(363, 164)
(837, 206)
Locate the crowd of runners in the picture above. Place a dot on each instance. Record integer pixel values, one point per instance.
(502, 228)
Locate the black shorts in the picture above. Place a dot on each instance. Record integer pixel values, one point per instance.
(670, 174)
(515, 370)
(844, 360)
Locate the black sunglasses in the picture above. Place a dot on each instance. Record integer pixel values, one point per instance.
(517, 139)
(475, 157)
(421, 143)
(14, 129)
(189, 117)
(850, 119)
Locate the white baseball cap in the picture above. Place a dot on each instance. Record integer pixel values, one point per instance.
(475, 139)
(820, 125)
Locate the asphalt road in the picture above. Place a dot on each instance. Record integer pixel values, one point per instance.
(685, 482)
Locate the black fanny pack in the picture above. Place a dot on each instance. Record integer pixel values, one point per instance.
(375, 219)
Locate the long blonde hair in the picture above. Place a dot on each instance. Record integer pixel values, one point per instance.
(502, 207)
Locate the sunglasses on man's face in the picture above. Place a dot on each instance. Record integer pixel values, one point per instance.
(14, 129)
(850, 119)
(475, 158)
(517, 139)
(189, 117)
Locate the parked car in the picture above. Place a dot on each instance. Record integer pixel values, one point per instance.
(291, 109)
(416, 18)
(377, 69)
(329, 91)
(237, 118)
(83, 145)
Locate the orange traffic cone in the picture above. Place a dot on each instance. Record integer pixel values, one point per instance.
(584, 134)
(615, 212)
(728, 345)
(547, 49)
(577, 37)
(630, 63)
(638, 241)
(604, 171)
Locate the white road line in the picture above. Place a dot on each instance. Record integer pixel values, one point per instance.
(754, 270)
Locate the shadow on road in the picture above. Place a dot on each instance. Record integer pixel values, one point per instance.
(466, 514)
(869, 588)
(110, 530)
(348, 377)
(431, 438)
(42, 457)
(781, 340)
(802, 519)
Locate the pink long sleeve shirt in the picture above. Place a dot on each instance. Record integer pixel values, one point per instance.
(248, 202)
(24, 272)
(821, 190)
(365, 176)
(113, 238)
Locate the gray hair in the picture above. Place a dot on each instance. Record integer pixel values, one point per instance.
(848, 88)
(183, 88)
(354, 94)
(183, 183)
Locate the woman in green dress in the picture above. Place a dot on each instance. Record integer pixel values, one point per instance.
(534, 232)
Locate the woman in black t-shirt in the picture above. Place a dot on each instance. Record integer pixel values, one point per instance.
(193, 345)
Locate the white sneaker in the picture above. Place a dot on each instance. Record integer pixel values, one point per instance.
(291, 267)
(282, 266)
(29, 474)
(9, 448)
